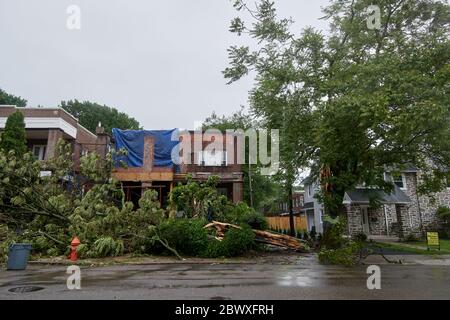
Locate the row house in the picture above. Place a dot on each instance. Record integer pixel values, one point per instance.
(45, 126)
(160, 159)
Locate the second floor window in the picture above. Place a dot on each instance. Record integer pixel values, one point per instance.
(39, 151)
(399, 180)
(212, 158)
(310, 190)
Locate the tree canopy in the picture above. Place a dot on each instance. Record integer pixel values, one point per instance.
(13, 137)
(357, 100)
(9, 99)
(89, 114)
(266, 191)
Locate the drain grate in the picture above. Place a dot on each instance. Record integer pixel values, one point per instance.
(25, 289)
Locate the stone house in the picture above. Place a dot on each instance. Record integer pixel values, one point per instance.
(401, 213)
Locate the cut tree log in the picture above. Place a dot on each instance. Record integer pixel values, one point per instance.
(266, 237)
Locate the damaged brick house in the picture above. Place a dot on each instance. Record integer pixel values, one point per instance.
(45, 126)
(398, 214)
(150, 161)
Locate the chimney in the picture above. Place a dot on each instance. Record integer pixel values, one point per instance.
(149, 153)
(103, 140)
(99, 129)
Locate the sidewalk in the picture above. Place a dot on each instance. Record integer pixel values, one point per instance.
(409, 259)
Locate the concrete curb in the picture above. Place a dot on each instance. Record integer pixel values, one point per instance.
(143, 262)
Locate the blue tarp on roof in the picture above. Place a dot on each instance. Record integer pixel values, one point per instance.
(133, 142)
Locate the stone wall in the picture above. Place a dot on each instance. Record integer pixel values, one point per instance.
(423, 207)
(429, 205)
(412, 218)
(377, 221)
(354, 219)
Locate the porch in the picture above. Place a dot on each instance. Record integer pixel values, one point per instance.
(379, 214)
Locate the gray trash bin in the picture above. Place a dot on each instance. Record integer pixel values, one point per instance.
(18, 256)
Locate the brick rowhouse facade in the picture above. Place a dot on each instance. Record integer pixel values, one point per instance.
(163, 179)
(45, 126)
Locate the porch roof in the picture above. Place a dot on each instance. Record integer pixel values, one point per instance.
(366, 195)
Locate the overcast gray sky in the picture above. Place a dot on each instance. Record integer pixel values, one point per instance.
(158, 61)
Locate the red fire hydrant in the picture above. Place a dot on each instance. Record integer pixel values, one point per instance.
(73, 256)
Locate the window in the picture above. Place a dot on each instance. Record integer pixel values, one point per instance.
(399, 180)
(309, 190)
(39, 151)
(212, 158)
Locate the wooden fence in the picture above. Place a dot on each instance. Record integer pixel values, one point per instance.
(282, 223)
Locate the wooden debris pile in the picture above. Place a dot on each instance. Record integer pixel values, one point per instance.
(266, 237)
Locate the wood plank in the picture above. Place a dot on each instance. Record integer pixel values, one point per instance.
(143, 176)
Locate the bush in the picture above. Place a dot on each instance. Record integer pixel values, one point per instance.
(334, 248)
(411, 238)
(313, 233)
(443, 213)
(236, 243)
(187, 236)
(360, 237)
(241, 214)
(347, 255)
(443, 234)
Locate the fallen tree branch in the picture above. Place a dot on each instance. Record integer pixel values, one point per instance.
(50, 237)
(261, 236)
(371, 252)
(163, 242)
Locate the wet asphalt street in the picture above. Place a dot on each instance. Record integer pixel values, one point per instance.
(304, 280)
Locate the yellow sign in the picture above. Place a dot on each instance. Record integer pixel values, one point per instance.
(433, 239)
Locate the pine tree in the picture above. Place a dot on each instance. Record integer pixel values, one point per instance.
(13, 137)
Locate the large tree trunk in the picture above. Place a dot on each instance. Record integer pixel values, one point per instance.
(266, 237)
(291, 211)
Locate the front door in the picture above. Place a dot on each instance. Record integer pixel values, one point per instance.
(365, 219)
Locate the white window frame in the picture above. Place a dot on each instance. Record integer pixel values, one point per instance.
(42, 151)
(403, 181)
(223, 161)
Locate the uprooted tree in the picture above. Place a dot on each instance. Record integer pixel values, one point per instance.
(48, 210)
